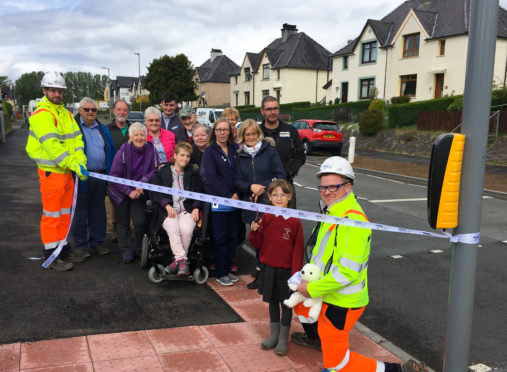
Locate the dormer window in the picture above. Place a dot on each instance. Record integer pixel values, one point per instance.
(369, 52)
(411, 45)
(266, 71)
(248, 75)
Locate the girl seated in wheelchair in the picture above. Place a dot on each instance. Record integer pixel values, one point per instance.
(178, 215)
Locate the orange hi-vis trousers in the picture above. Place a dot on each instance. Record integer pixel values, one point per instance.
(57, 193)
(334, 327)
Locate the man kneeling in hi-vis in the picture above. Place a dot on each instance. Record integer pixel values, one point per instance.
(341, 253)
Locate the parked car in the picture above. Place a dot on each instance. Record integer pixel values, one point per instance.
(136, 116)
(319, 134)
(208, 116)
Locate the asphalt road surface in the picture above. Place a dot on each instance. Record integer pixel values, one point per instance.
(408, 295)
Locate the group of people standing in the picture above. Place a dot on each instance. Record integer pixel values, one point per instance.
(238, 166)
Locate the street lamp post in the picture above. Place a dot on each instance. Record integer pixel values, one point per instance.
(139, 82)
(109, 90)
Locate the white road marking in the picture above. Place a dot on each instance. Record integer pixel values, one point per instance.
(396, 256)
(396, 200)
(361, 198)
(383, 178)
(479, 368)
(504, 241)
(312, 165)
(298, 184)
(436, 251)
(310, 188)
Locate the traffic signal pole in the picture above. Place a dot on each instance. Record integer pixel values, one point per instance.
(476, 108)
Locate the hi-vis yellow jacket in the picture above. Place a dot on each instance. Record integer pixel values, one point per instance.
(346, 283)
(54, 139)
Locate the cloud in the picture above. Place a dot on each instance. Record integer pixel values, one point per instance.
(85, 35)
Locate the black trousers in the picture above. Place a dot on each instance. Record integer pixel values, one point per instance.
(128, 208)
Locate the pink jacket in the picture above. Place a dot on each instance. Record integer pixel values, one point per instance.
(168, 141)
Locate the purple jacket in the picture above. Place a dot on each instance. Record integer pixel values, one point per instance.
(122, 167)
(219, 171)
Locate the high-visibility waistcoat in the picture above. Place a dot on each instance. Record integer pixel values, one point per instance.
(54, 139)
(345, 284)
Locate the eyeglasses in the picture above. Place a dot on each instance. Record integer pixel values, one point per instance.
(331, 188)
(279, 196)
(272, 109)
(254, 134)
(153, 121)
(222, 130)
(87, 109)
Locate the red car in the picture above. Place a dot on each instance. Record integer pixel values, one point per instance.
(319, 134)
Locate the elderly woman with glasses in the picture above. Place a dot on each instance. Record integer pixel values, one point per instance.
(163, 140)
(219, 169)
(135, 160)
(200, 136)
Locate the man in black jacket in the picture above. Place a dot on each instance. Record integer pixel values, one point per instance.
(287, 141)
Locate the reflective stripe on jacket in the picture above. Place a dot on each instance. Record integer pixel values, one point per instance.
(345, 284)
(54, 139)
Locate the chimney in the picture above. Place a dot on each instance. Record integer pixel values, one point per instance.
(215, 53)
(288, 30)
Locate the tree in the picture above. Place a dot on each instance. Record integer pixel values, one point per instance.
(4, 81)
(84, 84)
(171, 73)
(28, 86)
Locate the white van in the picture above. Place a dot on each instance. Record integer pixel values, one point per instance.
(208, 116)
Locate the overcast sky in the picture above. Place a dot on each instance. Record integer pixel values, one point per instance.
(85, 35)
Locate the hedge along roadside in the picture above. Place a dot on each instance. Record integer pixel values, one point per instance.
(341, 112)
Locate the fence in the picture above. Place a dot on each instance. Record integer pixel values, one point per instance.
(449, 120)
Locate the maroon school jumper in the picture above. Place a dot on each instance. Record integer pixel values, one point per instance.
(280, 241)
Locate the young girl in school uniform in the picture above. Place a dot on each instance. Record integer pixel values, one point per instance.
(280, 243)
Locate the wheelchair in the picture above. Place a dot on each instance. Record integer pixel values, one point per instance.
(156, 252)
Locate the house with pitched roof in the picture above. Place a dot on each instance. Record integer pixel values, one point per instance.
(417, 50)
(212, 79)
(292, 68)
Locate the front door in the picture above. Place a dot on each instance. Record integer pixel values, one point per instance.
(345, 92)
(439, 85)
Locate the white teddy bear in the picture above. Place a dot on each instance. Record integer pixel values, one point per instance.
(309, 273)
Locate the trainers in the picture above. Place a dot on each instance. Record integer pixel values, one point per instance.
(183, 269)
(224, 280)
(234, 268)
(86, 252)
(74, 257)
(61, 265)
(172, 268)
(414, 366)
(300, 338)
(102, 250)
(233, 278)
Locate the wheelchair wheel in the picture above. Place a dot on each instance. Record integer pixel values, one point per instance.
(201, 275)
(154, 274)
(144, 251)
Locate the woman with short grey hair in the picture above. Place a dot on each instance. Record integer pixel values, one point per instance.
(135, 160)
(200, 137)
(163, 140)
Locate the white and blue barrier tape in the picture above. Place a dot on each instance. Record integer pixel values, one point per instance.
(473, 238)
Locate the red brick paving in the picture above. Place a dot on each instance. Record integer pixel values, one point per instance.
(219, 347)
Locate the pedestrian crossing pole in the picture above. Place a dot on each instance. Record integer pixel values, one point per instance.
(476, 108)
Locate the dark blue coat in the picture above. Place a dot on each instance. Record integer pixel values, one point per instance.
(219, 170)
(261, 170)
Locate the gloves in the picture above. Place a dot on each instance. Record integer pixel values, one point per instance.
(82, 173)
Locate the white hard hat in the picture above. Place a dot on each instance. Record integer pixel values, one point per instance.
(336, 165)
(53, 79)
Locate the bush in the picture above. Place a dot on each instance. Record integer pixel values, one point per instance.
(7, 108)
(406, 114)
(400, 100)
(457, 105)
(336, 100)
(370, 122)
(376, 104)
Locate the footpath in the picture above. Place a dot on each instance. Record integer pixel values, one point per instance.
(209, 346)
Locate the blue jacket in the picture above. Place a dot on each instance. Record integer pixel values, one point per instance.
(261, 169)
(219, 170)
(110, 147)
